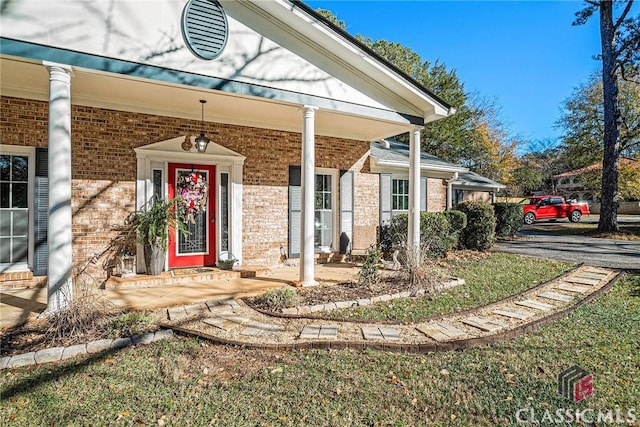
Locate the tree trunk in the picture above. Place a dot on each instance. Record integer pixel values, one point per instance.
(610, 167)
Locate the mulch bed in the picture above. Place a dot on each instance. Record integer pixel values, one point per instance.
(346, 291)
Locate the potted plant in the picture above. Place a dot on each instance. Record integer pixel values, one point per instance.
(152, 224)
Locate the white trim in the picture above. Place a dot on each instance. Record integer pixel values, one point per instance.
(335, 208)
(224, 160)
(378, 165)
(30, 153)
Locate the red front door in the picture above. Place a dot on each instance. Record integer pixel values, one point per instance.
(195, 185)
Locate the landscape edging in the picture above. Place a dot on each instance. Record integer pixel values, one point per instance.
(56, 354)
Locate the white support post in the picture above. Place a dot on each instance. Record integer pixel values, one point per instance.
(413, 237)
(307, 275)
(60, 234)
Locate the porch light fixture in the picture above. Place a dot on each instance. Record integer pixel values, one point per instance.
(202, 141)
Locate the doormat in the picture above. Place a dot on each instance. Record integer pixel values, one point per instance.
(193, 271)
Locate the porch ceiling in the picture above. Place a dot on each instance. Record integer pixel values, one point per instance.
(25, 78)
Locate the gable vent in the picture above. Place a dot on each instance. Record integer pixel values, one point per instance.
(204, 28)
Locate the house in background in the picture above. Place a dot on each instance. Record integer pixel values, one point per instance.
(471, 186)
(568, 184)
(100, 110)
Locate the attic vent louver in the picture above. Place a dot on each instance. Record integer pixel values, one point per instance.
(204, 28)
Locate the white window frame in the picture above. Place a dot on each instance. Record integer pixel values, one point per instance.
(335, 214)
(30, 153)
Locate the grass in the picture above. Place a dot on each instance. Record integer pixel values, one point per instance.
(187, 382)
(488, 279)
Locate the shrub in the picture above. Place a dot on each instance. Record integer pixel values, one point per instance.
(436, 236)
(129, 324)
(457, 223)
(508, 218)
(480, 232)
(279, 298)
(369, 274)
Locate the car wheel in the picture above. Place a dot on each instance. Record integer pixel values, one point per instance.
(529, 218)
(575, 216)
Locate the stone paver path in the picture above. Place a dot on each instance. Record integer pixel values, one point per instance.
(233, 322)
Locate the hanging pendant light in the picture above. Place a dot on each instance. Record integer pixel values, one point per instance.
(202, 141)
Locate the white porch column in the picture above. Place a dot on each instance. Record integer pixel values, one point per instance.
(60, 235)
(413, 238)
(307, 277)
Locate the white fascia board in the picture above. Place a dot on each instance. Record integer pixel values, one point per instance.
(342, 58)
(389, 165)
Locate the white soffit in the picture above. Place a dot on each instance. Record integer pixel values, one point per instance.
(29, 79)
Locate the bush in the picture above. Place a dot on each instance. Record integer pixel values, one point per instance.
(369, 274)
(480, 232)
(457, 223)
(279, 298)
(508, 218)
(436, 235)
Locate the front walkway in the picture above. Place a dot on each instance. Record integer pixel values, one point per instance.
(233, 322)
(16, 306)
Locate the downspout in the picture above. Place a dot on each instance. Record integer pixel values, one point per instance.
(450, 190)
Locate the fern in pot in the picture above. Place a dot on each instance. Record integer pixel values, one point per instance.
(153, 223)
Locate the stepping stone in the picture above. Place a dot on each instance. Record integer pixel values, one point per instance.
(217, 308)
(573, 288)
(266, 326)
(374, 333)
(582, 280)
(484, 323)
(235, 319)
(196, 309)
(597, 276)
(218, 323)
(441, 331)
(536, 304)
(253, 331)
(310, 332)
(513, 313)
(176, 313)
(556, 296)
(595, 270)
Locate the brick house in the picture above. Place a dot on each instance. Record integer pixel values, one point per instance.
(100, 114)
(442, 184)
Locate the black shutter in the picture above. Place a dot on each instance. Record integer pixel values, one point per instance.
(346, 211)
(41, 213)
(295, 210)
(385, 198)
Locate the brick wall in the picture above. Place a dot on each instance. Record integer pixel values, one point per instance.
(437, 193)
(104, 172)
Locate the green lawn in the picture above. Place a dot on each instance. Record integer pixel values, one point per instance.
(189, 382)
(487, 280)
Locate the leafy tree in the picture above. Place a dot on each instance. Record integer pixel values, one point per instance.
(620, 56)
(473, 137)
(583, 122)
(332, 18)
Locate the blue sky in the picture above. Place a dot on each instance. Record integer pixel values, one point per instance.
(524, 54)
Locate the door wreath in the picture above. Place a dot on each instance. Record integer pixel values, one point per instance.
(193, 190)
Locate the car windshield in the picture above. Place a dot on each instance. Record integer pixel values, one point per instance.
(529, 201)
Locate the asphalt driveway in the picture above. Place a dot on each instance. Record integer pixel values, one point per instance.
(609, 253)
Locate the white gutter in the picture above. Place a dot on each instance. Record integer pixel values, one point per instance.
(403, 165)
(450, 190)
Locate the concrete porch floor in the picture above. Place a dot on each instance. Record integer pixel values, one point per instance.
(18, 305)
